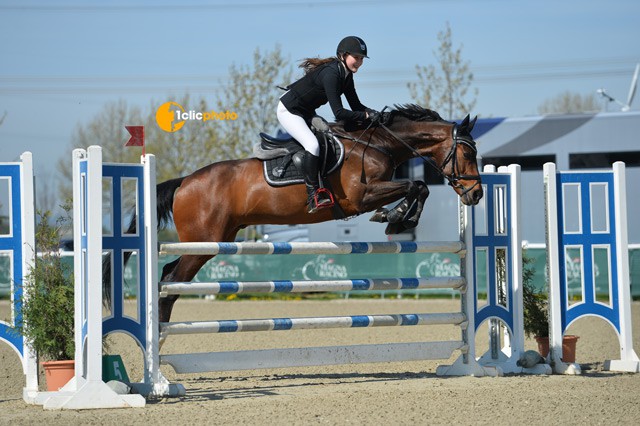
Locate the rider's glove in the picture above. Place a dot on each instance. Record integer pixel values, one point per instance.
(374, 116)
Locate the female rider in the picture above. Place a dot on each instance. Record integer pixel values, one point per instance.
(325, 80)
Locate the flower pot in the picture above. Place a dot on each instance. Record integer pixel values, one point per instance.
(58, 373)
(568, 347)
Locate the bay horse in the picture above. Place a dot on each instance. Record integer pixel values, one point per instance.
(217, 201)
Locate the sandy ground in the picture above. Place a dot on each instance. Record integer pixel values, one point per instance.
(396, 393)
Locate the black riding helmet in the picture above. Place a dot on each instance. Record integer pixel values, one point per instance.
(352, 45)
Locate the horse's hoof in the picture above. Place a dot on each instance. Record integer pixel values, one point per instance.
(379, 216)
(409, 224)
(394, 228)
(395, 216)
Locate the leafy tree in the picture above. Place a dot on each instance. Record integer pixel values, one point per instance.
(568, 103)
(445, 87)
(252, 93)
(106, 130)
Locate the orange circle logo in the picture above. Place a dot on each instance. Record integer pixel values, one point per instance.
(168, 115)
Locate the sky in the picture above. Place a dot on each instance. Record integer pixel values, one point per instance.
(62, 62)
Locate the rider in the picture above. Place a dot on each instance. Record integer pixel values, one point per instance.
(324, 81)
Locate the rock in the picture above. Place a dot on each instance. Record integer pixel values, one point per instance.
(530, 359)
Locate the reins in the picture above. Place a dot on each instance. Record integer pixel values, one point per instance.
(366, 144)
(453, 179)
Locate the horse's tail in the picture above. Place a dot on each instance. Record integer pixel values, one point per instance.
(165, 193)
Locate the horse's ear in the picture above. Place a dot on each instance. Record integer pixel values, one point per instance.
(472, 123)
(465, 122)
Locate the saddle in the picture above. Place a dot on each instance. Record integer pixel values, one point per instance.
(282, 157)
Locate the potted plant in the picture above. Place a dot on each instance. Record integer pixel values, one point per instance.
(536, 315)
(48, 310)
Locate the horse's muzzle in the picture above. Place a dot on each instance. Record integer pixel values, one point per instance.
(473, 197)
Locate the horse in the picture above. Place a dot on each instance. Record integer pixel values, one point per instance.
(215, 202)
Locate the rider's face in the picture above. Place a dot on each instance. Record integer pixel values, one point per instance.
(353, 62)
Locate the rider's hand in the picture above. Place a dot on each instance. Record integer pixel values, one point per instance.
(374, 116)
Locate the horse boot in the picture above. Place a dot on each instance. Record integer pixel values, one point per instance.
(318, 198)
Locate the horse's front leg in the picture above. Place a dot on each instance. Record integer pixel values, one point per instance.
(412, 219)
(379, 215)
(378, 194)
(418, 192)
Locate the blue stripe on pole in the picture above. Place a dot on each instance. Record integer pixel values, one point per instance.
(229, 287)
(227, 248)
(281, 248)
(409, 283)
(360, 284)
(282, 323)
(359, 247)
(360, 321)
(409, 319)
(227, 326)
(408, 247)
(283, 286)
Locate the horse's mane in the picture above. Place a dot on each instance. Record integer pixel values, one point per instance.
(415, 112)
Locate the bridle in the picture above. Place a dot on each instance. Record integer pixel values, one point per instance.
(455, 175)
(454, 178)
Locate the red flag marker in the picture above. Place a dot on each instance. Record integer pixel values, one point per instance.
(137, 136)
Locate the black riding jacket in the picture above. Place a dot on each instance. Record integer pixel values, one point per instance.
(325, 83)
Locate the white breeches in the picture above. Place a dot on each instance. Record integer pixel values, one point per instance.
(297, 127)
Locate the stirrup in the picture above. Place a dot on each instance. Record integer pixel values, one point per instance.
(315, 203)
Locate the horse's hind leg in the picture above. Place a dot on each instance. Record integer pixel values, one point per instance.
(182, 269)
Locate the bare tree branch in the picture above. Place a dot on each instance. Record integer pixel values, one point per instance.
(444, 87)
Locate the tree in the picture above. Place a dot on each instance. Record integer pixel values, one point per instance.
(253, 94)
(250, 92)
(445, 87)
(568, 103)
(46, 197)
(106, 130)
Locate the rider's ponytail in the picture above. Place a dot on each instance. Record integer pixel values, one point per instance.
(310, 64)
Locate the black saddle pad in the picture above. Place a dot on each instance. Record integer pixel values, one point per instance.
(283, 171)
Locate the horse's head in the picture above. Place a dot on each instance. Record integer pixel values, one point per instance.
(449, 147)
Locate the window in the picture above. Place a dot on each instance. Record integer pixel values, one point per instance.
(595, 160)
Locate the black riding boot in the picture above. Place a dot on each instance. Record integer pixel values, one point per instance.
(316, 199)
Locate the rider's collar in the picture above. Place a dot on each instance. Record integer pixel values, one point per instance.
(344, 68)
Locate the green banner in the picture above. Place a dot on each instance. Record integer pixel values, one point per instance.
(324, 267)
